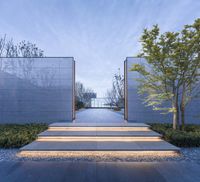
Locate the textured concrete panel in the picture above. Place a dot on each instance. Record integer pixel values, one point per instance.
(36, 89)
(135, 109)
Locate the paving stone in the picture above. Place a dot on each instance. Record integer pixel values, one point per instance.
(99, 146)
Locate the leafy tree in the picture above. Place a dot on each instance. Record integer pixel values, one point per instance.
(159, 77)
(188, 53)
(172, 70)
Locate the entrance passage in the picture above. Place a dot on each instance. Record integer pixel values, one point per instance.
(100, 103)
(99, 116)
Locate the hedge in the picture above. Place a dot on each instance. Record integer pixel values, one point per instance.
(188, 138)
(18, 135)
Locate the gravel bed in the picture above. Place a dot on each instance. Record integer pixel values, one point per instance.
(187, 155)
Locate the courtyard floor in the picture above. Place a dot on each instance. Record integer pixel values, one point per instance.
(184, 168)
(99, 171)
(98, 116)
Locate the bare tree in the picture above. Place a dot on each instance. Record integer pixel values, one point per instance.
(83, 94)
(28, 49)
(2, 48)
(87, 97)
(115, 96)
(79, 90)
(11, 50)
(2, 45)
(23, 67)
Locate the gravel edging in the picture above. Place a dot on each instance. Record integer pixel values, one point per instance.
(187, 155)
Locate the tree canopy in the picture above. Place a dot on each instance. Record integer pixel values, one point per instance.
(170, 76)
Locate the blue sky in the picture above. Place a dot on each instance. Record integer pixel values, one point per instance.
(98, 33)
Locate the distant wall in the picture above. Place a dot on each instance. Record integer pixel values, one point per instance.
(36, 90)
(136, 111)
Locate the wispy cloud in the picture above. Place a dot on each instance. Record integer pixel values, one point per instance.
(99, 34)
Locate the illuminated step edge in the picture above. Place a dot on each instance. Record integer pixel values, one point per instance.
(125, 124)
(98, 138)
(122, 154)
(90, 128)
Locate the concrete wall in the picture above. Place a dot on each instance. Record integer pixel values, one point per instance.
(36, 90)
(136, 111)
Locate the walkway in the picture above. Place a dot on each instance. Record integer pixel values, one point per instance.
(117, 134)
(98, 116)
(99, 172)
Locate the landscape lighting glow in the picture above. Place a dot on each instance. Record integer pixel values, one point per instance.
(98, 139)
(98, 129)
(98, 153)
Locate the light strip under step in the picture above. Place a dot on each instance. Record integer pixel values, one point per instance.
(99, 129)
(98, 139)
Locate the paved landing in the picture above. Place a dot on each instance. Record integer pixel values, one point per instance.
(99, 172)
(98, 116)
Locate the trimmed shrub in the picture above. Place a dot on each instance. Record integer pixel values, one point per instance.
(18, 135)
(188, 138)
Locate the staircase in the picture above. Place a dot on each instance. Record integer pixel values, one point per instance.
(99, 137)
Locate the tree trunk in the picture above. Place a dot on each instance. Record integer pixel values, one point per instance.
(177, 111)
(182, 108)
(183, 118)
(174, 120)
(174, 113)
(175, 107)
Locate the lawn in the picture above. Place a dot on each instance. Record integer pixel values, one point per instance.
(16, 135)
(188, 138)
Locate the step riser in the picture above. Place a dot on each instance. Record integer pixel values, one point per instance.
(98, 139)
(99, 129)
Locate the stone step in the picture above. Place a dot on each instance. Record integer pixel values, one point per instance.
(49, 135)
(72, 124)
(99, 127)
(100, 146)
(100, 133)
(98, 137)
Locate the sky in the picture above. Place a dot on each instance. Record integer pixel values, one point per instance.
(99, 34)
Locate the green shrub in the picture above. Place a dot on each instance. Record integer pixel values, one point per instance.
(188, 138)
(18, 135)
(79, 105)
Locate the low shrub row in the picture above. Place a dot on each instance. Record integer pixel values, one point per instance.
(18, 135)
(188, 138)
